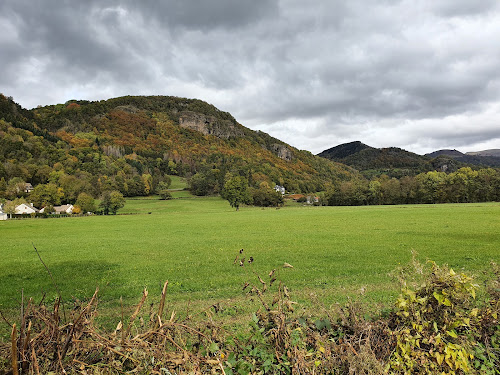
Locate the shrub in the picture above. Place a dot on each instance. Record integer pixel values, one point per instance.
(442, 328)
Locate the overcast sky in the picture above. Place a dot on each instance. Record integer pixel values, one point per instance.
(420, 75)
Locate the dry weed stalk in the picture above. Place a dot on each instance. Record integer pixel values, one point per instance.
(281, 341)
(51, 345)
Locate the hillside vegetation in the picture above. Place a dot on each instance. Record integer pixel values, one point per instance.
(395, 176)
(131, 143)
(485, 158)
(391, 161)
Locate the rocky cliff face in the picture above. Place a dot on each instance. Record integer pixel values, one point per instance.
(282, 151)
(209, 125)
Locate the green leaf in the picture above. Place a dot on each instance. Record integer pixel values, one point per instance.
(213, 347)
(439, 297)
(452, 334)
(255, 318)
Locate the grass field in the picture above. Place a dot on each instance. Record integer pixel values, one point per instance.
(177, 183)
(192, 242)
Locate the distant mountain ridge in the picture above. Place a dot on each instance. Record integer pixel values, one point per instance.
(344, 150)
(452, 153)
(489, 158)
(492, 152)
(396, 162)
(372, 161)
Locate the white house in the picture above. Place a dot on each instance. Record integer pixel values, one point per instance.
(312, 199)
(64, 209)
(3, 215)
(28, 188)
(280, 189)
(26, 209)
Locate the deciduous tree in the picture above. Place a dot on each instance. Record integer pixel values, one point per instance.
(46, 194)
(112, 202)
(236, 192)
(85, 202)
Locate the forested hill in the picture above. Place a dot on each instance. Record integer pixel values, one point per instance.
(131, 143)
(390, 161)
(484, 158)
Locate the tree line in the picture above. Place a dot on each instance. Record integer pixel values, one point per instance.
(463, 186)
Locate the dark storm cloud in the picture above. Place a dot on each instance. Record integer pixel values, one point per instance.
(314, 75)
(205, 15)
(69, 42)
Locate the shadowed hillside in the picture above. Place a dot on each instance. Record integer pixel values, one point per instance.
(392, 161)
(490, 158)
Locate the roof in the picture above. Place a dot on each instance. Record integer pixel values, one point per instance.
(24, 206)
(63, 208)
(296, 196)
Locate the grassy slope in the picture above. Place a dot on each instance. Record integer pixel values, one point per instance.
(193, 242)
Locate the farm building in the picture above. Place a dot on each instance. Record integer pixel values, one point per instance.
(296, 197)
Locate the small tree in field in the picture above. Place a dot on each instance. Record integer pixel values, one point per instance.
(236, 192)
(85, 202)
(112, 202)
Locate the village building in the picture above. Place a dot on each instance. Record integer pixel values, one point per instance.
(296, 197)
(312, 199)
(64, 209)
(25, 209)
(280, 189)
(28, 188)
(3, 215)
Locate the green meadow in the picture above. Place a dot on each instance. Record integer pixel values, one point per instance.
(336, 252)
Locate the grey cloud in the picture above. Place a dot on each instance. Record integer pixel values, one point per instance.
(339, 68)
(205, 15)
(454, 8)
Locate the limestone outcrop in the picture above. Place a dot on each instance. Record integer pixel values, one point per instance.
(209, 125)
(282, 151)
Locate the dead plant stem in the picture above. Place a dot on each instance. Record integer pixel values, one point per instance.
(13, 338)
